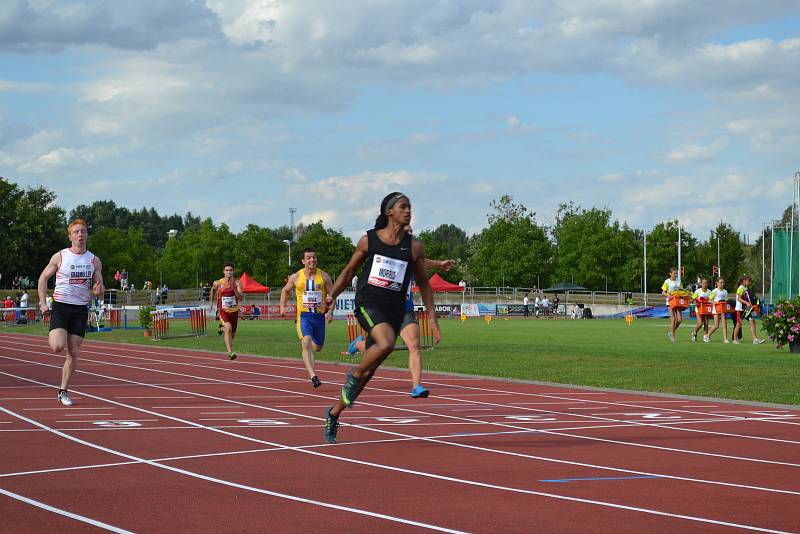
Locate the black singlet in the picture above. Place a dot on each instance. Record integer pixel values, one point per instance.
(387, 272)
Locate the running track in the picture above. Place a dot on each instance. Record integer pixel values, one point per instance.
(167, 439)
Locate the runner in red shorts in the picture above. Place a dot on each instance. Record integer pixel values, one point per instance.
(228, 294)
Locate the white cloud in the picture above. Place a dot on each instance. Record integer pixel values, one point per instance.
(692, 153)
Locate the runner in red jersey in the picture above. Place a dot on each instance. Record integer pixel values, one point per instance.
(229, 294)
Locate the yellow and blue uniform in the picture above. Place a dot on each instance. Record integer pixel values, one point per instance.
(310, 295)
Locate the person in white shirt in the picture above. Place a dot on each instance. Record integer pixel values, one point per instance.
(744, 310)
(719, 294)
(669, 286)
(79, 275)
(701, 296)
(536, 304)
(545, 304)
(525, 304)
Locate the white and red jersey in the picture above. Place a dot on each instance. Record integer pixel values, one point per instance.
(74, 278)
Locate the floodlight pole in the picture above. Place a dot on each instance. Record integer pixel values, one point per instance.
(644, 261)
(719, 260)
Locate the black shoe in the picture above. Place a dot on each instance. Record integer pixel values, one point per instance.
(331, 427)
(315, 381)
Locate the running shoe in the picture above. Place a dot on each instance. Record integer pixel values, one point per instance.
(706, 339)
(420, 392)
(351, 389)
(63, 398)
(220, 329)
(671, 337)
(758, 341)
(735, 341)
(351, 348)
(315, 381)
(725, 341)
(232, 355)
(331, 426)
(694, 337)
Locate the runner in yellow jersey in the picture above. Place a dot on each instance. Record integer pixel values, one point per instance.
(311, 286)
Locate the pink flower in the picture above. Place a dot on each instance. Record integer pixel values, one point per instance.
(779, 314)
(791, 337)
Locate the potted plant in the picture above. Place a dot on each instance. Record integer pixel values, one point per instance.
(783, 324)
(146, 320)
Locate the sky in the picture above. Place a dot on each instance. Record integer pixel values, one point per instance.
(239, 110)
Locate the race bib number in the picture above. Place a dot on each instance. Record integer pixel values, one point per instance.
(312, 298)
(228, 302)
(387, 272)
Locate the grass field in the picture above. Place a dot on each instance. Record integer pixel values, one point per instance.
(606, 353)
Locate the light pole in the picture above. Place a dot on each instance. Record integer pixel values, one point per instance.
(289, 243)
(719, 260)
(291, 221)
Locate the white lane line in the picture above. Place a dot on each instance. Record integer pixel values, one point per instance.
(109, 421)
(65, 513)
(220, 413)
(62, 408)
(85, 414)
(26, 398)
(152, 397)
(476, 402)
(226, 482)
(372, 428)
(472, 403)
(402, 470)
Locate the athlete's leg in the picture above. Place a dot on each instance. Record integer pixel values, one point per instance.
(227, 335)
(308, 355)
(698, 326)
(724, 320)
(71, 363)
(410, 335)
(57, 340)
(383, 338)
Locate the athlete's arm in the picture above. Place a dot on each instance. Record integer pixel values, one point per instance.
(97, 278)
(48, 273)
(418, 255)
(359, 256)
(438, 264)
(286, 291)
(212, 295)
(237, 289)
(328, 289)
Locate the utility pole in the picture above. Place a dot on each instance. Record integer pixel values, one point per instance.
(719, 261)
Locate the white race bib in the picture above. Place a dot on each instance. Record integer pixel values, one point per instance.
(387, 272)
(312, 298)
(228, 302)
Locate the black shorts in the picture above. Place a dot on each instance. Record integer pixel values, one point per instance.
(409, 317)
(368, 317)
(71, 317)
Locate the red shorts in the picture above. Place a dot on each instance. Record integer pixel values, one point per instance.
(230, 317)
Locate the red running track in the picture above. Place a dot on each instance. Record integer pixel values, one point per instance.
(169, 439)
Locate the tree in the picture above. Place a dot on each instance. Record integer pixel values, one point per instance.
(260, 253)
(662, 253)
(595, 251)
(124, 250)
(512, 250)
(447, 241)
(196, 254)
(32, 229)
(730, 252)
(333, 248)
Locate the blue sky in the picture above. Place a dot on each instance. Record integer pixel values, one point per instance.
(240, 109)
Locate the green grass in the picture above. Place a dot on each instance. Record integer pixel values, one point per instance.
(605, 353)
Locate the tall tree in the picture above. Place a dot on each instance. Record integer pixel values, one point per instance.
(124, 250)
(731, 254)
(447, 241)
(32, 228)
(196, 254)
(595, 251)
(512, 250)
(333, 248)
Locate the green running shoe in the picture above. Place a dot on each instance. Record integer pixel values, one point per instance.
(331, 426)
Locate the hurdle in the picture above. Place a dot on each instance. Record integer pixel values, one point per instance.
(161, 324)
(354, 329)
(115, 318)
